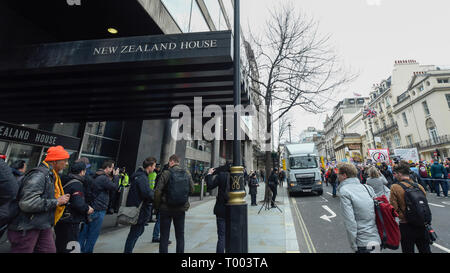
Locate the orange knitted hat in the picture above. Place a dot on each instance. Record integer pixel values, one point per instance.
(56, 153)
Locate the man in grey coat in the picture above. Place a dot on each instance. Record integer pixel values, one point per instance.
(357, 210)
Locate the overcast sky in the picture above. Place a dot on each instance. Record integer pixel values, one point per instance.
(368, 36)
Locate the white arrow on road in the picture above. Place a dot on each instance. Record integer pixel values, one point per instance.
(328, 217)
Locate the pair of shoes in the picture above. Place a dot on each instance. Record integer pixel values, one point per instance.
(157, 240)
(439, 196)
(335, 195)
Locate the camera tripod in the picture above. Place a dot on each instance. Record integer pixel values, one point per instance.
(267, 203)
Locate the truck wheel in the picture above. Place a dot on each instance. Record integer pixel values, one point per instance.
(320, 192)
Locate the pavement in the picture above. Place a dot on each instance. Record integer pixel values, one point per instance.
(270, 231)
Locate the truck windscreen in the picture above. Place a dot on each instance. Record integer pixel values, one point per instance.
(303, 162)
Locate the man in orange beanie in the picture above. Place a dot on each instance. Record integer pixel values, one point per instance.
(41, 196)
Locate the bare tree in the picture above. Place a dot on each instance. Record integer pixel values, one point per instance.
(283, 129)
(296, 67)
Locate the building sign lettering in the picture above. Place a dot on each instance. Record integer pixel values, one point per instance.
(157, 47)
(36, 137)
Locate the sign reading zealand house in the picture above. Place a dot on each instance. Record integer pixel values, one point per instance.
(173, 49)
(27, 135)
(155, 47)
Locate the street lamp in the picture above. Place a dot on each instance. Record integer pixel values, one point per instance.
(236, 228)
(289, 125)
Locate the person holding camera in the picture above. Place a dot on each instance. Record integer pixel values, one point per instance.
(77, 210)
(273, 184)
(219, 177)
(101, 187)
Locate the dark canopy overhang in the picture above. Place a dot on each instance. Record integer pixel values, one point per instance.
(139, 77)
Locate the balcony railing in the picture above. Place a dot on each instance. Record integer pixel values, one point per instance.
(385, 129)
(430, 143)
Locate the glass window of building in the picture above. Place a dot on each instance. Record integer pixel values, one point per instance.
(94, 145)
(405, 120)
(229, 9)
(63, 128)
(187, 15)
(3, 147)
(197, 21)
(425, 108)
(30, 154)
(397, 140)
(215, 11)
(180, 12)
(101, 141)
(409, 139)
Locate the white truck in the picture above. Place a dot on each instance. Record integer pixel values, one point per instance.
(303, 171)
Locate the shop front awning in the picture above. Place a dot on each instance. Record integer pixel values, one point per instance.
(141, 77)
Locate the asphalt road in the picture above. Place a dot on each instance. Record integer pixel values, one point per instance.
(320, 227)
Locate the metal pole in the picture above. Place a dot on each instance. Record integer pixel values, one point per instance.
(371, 131)
(236, 228)
(290, 141)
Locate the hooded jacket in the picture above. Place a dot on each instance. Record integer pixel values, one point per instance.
(140, 192)
(101, 187)
(8, 193)
(37, 201)
(161, 195)
(359, 213)
(77, 206)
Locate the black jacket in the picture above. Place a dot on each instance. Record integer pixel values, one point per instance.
(8, 191)
(273, 179)
(332, 179)
(140, 192)
(219, 180)
(77, 207)
(37, 201)
(253, 185)
(101, 187)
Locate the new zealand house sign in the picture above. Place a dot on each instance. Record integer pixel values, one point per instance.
(27, 135)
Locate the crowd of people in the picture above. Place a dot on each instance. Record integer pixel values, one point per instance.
(358, 185)
(43, 210)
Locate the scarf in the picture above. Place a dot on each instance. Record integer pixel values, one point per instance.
(59, 191)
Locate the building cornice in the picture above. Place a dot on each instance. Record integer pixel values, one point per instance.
(411, 102)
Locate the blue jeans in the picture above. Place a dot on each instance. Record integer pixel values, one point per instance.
(90, 232)
(334, 188)
(135, 232)
(220, 235)
(156, 228)
(444, 185)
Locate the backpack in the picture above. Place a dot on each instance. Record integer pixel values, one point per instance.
(417, 211)
(388, 228)
(89, 195)
(423, 172)
(178, 188)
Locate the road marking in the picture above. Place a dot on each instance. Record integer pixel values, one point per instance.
(326, 217)
(446, 203)
(330, 193)
(305, 232)
(436, 205)
(441, 247)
